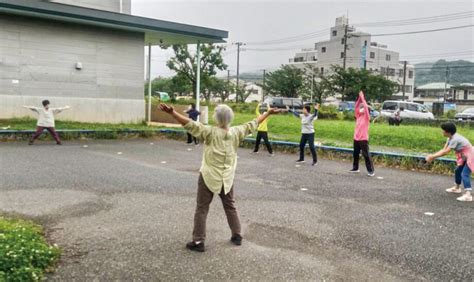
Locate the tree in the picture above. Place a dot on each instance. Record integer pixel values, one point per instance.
(220, 88)
(185, 64)
(172, 86)
(315, 83)
(349, 82)
(286, 82)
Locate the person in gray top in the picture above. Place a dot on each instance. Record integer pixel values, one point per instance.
(307, 131)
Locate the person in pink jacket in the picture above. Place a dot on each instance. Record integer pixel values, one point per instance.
(465, 160)
(361, 135)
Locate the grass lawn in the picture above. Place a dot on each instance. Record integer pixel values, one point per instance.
(406, 138)
(286, 127)
(24, 253)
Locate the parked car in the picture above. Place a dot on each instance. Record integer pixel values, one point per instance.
(349, 107)
(411, 110)
(281, 103)
(467, 114)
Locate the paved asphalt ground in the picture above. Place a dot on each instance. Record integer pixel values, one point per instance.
(128, 216)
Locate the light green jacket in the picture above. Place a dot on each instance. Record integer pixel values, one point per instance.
(220, 152)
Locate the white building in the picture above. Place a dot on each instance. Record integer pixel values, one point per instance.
(361, 52)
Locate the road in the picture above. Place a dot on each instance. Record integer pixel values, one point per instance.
(124, 210)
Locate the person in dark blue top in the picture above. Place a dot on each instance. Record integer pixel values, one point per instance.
(192, 114)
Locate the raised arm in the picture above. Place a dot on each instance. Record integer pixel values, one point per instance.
(257, 110)
(316, 109)
(183, 120)
(364, 104)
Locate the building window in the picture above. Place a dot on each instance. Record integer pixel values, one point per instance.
(322, 70)
(390, 72)
(382, 70)
(323, 50)
(387, 57)
(342, 55)
(299, 59)
(372, 55)
(400, 73)
(410, 74)
(342, 40)
(365, 43)
(334, 33)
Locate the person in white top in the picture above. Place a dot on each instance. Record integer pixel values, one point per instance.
(45, 121)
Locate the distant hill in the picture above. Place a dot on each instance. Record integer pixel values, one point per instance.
(460, 72)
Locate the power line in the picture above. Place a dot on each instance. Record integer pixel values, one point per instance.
(422, 31)
(415, 21)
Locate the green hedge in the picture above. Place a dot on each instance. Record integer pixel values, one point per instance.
(24, 253)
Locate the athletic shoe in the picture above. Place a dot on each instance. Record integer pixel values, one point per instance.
(59, 143)
(314, 164)
(272, 154)
(354, 171)
(196, 247)
(236, 240)
(455, 190)
(371, 174)
(466, 197)
(254, 152)
(300, 161)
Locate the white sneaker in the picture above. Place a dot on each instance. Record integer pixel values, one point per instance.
(454, 189)
(466, 197)
(354, 171)
(371, 174)
(272, 154)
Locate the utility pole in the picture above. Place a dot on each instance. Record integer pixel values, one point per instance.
(263, 86)
(312, 86)
(404, 79)
(345, 46)
(446, 80)
(238, 65)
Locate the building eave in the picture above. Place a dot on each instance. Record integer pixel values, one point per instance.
(157, 32)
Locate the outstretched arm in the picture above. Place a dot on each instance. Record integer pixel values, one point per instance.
(316, 109)
(269, 112)
(183, 120)
(34, 109)
(439, 154)
(296, 114)
(58, 110)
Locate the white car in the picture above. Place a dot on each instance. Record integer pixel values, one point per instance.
(410, 110)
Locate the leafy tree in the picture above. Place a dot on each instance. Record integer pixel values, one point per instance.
(172, 86)
(220, 88)
(185, 64)
(349, 82)
(316, 83)
(285, 82)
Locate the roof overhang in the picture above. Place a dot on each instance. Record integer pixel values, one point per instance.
(157, 32)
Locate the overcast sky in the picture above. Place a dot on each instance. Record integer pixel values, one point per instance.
(260, 20)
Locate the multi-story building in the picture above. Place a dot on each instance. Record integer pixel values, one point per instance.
(361, 52)
(88, 54)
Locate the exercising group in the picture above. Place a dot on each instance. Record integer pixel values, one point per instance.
(222, 141)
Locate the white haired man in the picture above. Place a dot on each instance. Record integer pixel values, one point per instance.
(218, 167)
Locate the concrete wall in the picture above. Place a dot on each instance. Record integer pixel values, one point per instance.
(107, 5)
(38, 59)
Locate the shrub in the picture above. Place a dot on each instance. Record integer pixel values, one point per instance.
(24, 253)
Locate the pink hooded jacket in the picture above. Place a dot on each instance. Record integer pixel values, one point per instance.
(361, 132)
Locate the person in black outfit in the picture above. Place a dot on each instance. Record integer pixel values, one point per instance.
(192, 114)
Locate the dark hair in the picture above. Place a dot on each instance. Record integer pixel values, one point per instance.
(45, 103)
(193, 106)
(308, 108)
(449, 127)
(402, 108)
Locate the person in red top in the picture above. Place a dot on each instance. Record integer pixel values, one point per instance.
(361, 135)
